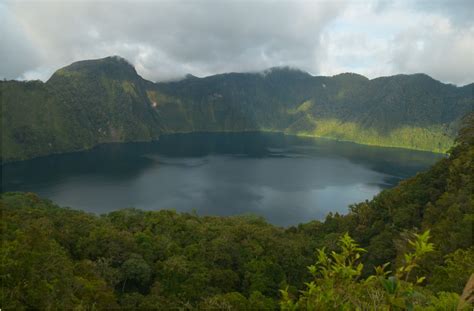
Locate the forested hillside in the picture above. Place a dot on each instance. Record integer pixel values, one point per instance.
(105, 100)
(82, 105)
(59, 258)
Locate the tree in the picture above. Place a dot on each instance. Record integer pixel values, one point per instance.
(135, 273)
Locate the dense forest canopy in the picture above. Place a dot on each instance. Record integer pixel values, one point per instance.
(105, 100)
(421, 230)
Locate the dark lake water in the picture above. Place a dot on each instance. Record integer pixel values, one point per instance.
(285, 179)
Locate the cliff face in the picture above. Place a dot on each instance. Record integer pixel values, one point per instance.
(99, 101)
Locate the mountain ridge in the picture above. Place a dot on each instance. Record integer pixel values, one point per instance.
(105, 100)
(121, 60)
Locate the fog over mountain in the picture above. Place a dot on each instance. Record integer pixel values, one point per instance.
(167, 39)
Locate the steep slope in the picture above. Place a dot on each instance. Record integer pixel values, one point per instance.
(105, 100)
(413, 111)
(234, 101)
(80, 106)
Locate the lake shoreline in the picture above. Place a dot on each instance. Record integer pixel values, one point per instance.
(285, 178)
(222, 131)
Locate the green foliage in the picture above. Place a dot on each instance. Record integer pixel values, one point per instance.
(336, 284)
(60, 258)
(205, 262)
(443, 301)
(453, 275)
(135, 270)
(432, 138)
(420, 246)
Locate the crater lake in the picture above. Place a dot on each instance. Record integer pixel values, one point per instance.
(285, 179)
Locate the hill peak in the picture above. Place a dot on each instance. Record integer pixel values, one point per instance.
(350, 75)
(284, 71)
(115, 67)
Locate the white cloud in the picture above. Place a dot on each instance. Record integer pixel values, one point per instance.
(17, 53)
(395, 39)
(167, 39)
(438, 48)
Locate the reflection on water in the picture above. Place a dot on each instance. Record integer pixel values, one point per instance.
(285, 179)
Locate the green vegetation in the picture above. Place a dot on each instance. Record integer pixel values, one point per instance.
(105, 100)
(429, 138)
(337, 283)
(411, 247)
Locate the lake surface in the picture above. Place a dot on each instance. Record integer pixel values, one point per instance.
(285, 179)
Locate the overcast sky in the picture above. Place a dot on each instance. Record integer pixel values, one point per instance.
(168, 39)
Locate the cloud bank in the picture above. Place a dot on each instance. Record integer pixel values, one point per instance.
(167, 39)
